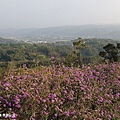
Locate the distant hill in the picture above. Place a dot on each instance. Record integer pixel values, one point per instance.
(65, 32)
(5, 41)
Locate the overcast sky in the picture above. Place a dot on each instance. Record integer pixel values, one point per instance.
(48, 13)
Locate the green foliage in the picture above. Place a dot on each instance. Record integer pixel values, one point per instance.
(40, 54)
(111, 52)
(79, 44)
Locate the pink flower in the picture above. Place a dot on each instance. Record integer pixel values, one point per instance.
(53, 101)
(52, 57)
(73, 112)
(14, 115)
(44, 101)
(4, 105)
(6, 88)
(8, 84)
(72, 92)
(54, 95)
(46, 113)
(59, 109)
(55, 115)
(67, 113)
(65, 91)
(71, 98)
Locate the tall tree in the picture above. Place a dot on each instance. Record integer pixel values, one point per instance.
(111, 52)
(78, 45)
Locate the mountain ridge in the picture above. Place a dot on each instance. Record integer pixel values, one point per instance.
(66, 32)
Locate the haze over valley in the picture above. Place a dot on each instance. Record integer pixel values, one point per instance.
(62, 33)
(37, 20)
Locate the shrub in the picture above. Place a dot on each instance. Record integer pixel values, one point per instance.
(59, 92)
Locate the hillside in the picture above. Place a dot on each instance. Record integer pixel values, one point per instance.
(37, 82)
(64, 32)
(62, 93)
(8, 41)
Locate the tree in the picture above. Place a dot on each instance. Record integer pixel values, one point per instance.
(111, 52)
(79, 44)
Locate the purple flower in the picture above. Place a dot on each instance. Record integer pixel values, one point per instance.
(65, 91)
(72, 92)
(54, 95)
(8, 84)
(53, 101)
(44, 101)
(52, 57)
(59, 109)
(55, 115)
(10, 109)
(67, 113)
(1, 98)
(14, 115)
(71, 98)
(4, 105)
(6, 88)
(73, 112)
(46, 113)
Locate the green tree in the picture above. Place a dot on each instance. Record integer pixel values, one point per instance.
(111, 52)
(78, 45)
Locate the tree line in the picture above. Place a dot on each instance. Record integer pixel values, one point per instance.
(74, 52)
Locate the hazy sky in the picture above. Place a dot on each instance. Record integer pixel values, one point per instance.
(48, 13)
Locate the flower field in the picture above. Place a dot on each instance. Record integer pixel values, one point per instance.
(62, 93)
